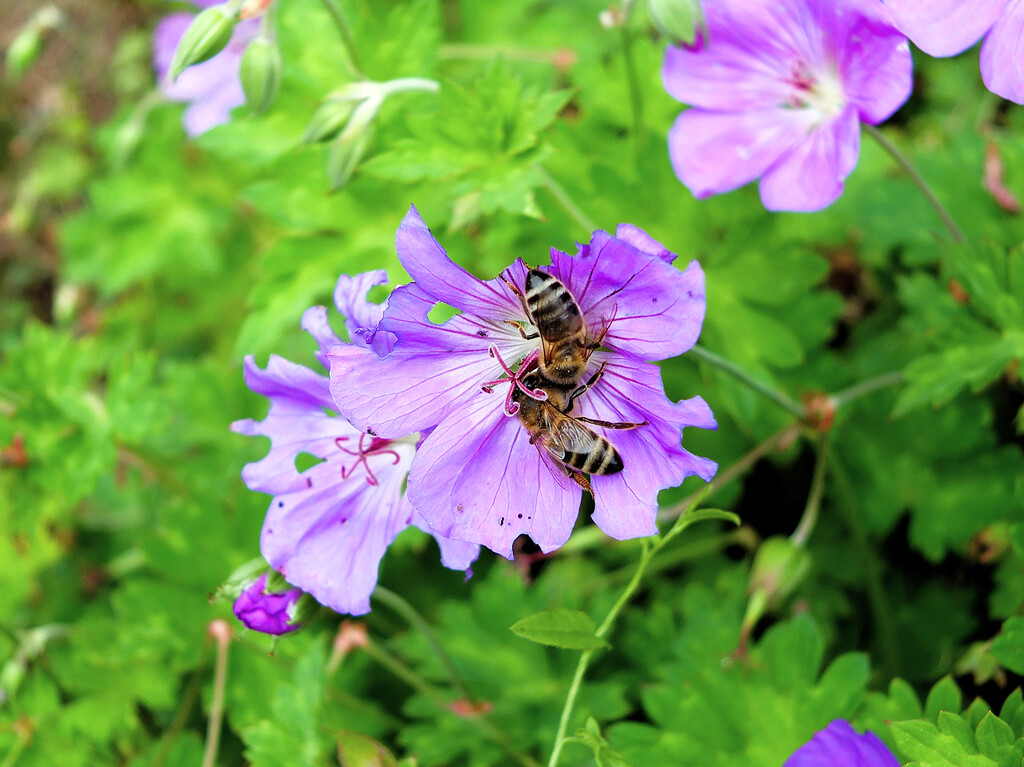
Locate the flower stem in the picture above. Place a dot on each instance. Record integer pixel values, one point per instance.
(910, 170)
(846, 396)
(633, 81)
(417, 621)
(188, 701)
(581, 667)
(222, 637)
(421, 685)
(562, 198)
(388, 87)
(779, 398)
(348, 41)
(810, 516)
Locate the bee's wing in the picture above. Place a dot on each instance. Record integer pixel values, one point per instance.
(570, 436)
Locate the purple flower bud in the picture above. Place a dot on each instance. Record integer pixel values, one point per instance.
(268, 612)
(839, 745)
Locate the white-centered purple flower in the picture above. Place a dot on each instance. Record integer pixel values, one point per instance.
(328, 526)
(839, 745)
(778, 91)
(949, 27)
(212, 88)
(478, 476)
(269, 612)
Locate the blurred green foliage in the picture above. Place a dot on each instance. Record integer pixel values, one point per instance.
(139, 267)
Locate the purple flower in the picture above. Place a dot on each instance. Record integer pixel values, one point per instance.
(212, 87)
(839, 745)
(479, 475)
(949, 27)
(778, 92)
(267, 611)
(328, 527)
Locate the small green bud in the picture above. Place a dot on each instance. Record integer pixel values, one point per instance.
(205, 37)
(349, 147)
(676, 19)
(328, 120)
(260, 73)
(779, 567)
(357, 750)
(26, 46)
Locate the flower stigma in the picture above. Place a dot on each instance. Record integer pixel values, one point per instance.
(377, 446)
(515, 378)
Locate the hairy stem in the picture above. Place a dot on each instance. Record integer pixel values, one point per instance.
(348, 41)
(919, 182)
(846, 396)
(810, 516)
(779, 398)
(418, 622)
(220, 678)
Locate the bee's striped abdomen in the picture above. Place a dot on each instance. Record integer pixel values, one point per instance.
(552, 307)
(602, 458)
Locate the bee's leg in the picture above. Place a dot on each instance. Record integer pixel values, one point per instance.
(591, 346)
(523, 333)
(610, 424)
(582, 480)
(579, 390)
(517, 293)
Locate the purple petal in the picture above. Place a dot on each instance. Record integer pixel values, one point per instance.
(1002, 54)
(362, 316)
(839, 745)
(631, 391)
(874, 63)
(444, 280)
(328, 539)
(477, 478)
(296, 423)
(166, 36)
(944, 27)
(264, 611)
(652, 309)
(455, 555)
(432, 370)
(810, 177)
(715, 152)
(315, 322)
(639, 239)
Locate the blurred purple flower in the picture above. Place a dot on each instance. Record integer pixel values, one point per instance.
(839, 745)
(477, 477)
(328, 527)
(212, 87)
(268, 612)
(949, 27)
(778, 92)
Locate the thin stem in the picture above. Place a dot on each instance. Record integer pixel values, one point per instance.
(633, 82)
(417, 621)
(910, 170)
(562, 198)
(188, 700)
(581, 667)
(810, 517)
(779, 398)
(738, 469)
(881, 613)
(348, 41)
(222, 636)
(377, 653)
(400, 84)
(846, 396)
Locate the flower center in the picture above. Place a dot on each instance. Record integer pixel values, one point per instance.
(822, 91)
(515, 378)
(368, 445)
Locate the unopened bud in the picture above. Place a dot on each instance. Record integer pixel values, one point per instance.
(676, 19)
(349, 147)
(328, 120)
(358, 750)
(260, 73)
(26, 46)
(779, 567)
(253, 8)
(273, 612)
(205, 37)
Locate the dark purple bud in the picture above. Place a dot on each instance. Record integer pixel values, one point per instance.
(269, 612)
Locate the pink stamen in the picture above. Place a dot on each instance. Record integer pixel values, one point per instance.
(377, 446)
(515, 379)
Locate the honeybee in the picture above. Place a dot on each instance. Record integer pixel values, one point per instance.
(565, 346)
(567, 439)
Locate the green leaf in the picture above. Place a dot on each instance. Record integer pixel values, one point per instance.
(923, 743)
(944, 696)
(590, 736)
(955, 726)
(995, 738)
(1008, 646)
(568, 629)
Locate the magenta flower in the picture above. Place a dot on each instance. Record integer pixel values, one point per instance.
(267, 611)
(480, 475)
(839, 745)
(328, 527)
(949, 27)
(778, 91)
(212, 87)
